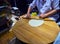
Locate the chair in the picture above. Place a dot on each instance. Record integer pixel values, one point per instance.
(4, 22)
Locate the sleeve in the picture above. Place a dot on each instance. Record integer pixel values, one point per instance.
(46, 7)
(33, 4)
(56, 4)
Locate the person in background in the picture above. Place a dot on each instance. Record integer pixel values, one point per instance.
(46, 8)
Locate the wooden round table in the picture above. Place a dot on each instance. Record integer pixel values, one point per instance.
(43, 34)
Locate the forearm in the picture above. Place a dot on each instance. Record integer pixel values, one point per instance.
(31, 6)
(29, 10)
(28, 13)
(52, 12)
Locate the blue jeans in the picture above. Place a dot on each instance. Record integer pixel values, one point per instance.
(57, 40)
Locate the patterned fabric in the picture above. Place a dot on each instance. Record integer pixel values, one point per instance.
(46, 5)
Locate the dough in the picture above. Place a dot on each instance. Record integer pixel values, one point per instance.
(35, 23)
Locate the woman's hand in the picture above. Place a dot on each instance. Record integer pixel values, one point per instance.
(43, 16)
(26, 16)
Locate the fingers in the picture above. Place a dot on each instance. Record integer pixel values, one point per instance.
(26, 16)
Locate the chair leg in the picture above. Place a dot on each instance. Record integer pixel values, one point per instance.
(51, 43)
(16, 41)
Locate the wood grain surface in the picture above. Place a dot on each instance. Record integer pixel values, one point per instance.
(43, 34)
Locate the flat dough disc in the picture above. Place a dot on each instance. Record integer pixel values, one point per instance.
(35, 23)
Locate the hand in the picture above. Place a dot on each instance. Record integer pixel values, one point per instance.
(26, 16)
(42, 16)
